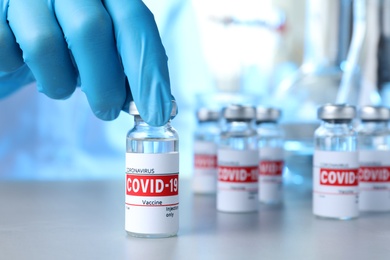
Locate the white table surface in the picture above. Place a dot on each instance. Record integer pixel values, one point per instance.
(84, 220)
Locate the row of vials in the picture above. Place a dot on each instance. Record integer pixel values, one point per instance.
(243, 162)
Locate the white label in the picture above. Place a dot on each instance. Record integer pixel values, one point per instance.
(152, 193)
(205, 167)
(374, 180)
(271, 165)
(237, 189)
(335, 184)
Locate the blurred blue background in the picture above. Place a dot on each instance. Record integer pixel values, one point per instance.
(219, 52)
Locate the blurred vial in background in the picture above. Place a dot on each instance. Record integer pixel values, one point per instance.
(206, 137)
(374, 158)
(327, 38)
(238, 160)
(335, 164)
(271, 154)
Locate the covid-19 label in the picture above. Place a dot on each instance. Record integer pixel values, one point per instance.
(152, 193)
(374, 180)
(205, 167)
(271, 165)
(335, 184)
(237, 180)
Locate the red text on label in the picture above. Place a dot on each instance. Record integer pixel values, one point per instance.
(238, 173)
(339, 177)
(203, 161)
(374, 174)
(152, 185)
(271, 168)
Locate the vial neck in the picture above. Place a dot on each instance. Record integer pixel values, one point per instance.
(266, 123)
(328, 33)
(240, 126)
(336, 123)
(376, 124)
(139, 122)
(209, 123)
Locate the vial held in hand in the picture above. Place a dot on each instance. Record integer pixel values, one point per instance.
(152, 178)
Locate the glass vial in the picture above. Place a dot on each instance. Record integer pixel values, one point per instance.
(271, 155)
(335, 166)
(205, 151)
(238, 159)
(374, 154)
(152, 178)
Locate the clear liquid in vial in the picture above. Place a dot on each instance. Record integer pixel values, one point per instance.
(152, 145)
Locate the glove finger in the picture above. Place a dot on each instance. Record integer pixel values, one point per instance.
(143, 57)
(88, 30)
(10, 53)
(129, 98)
(44, 49)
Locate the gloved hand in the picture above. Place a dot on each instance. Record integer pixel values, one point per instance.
(99, 41)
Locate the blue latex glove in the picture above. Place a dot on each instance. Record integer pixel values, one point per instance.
(99, 41)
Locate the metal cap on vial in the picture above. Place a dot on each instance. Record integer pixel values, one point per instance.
(374, 113)
(336, 112)
(264, 114)
(239, 112)
(208, 114)
(133, 110)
